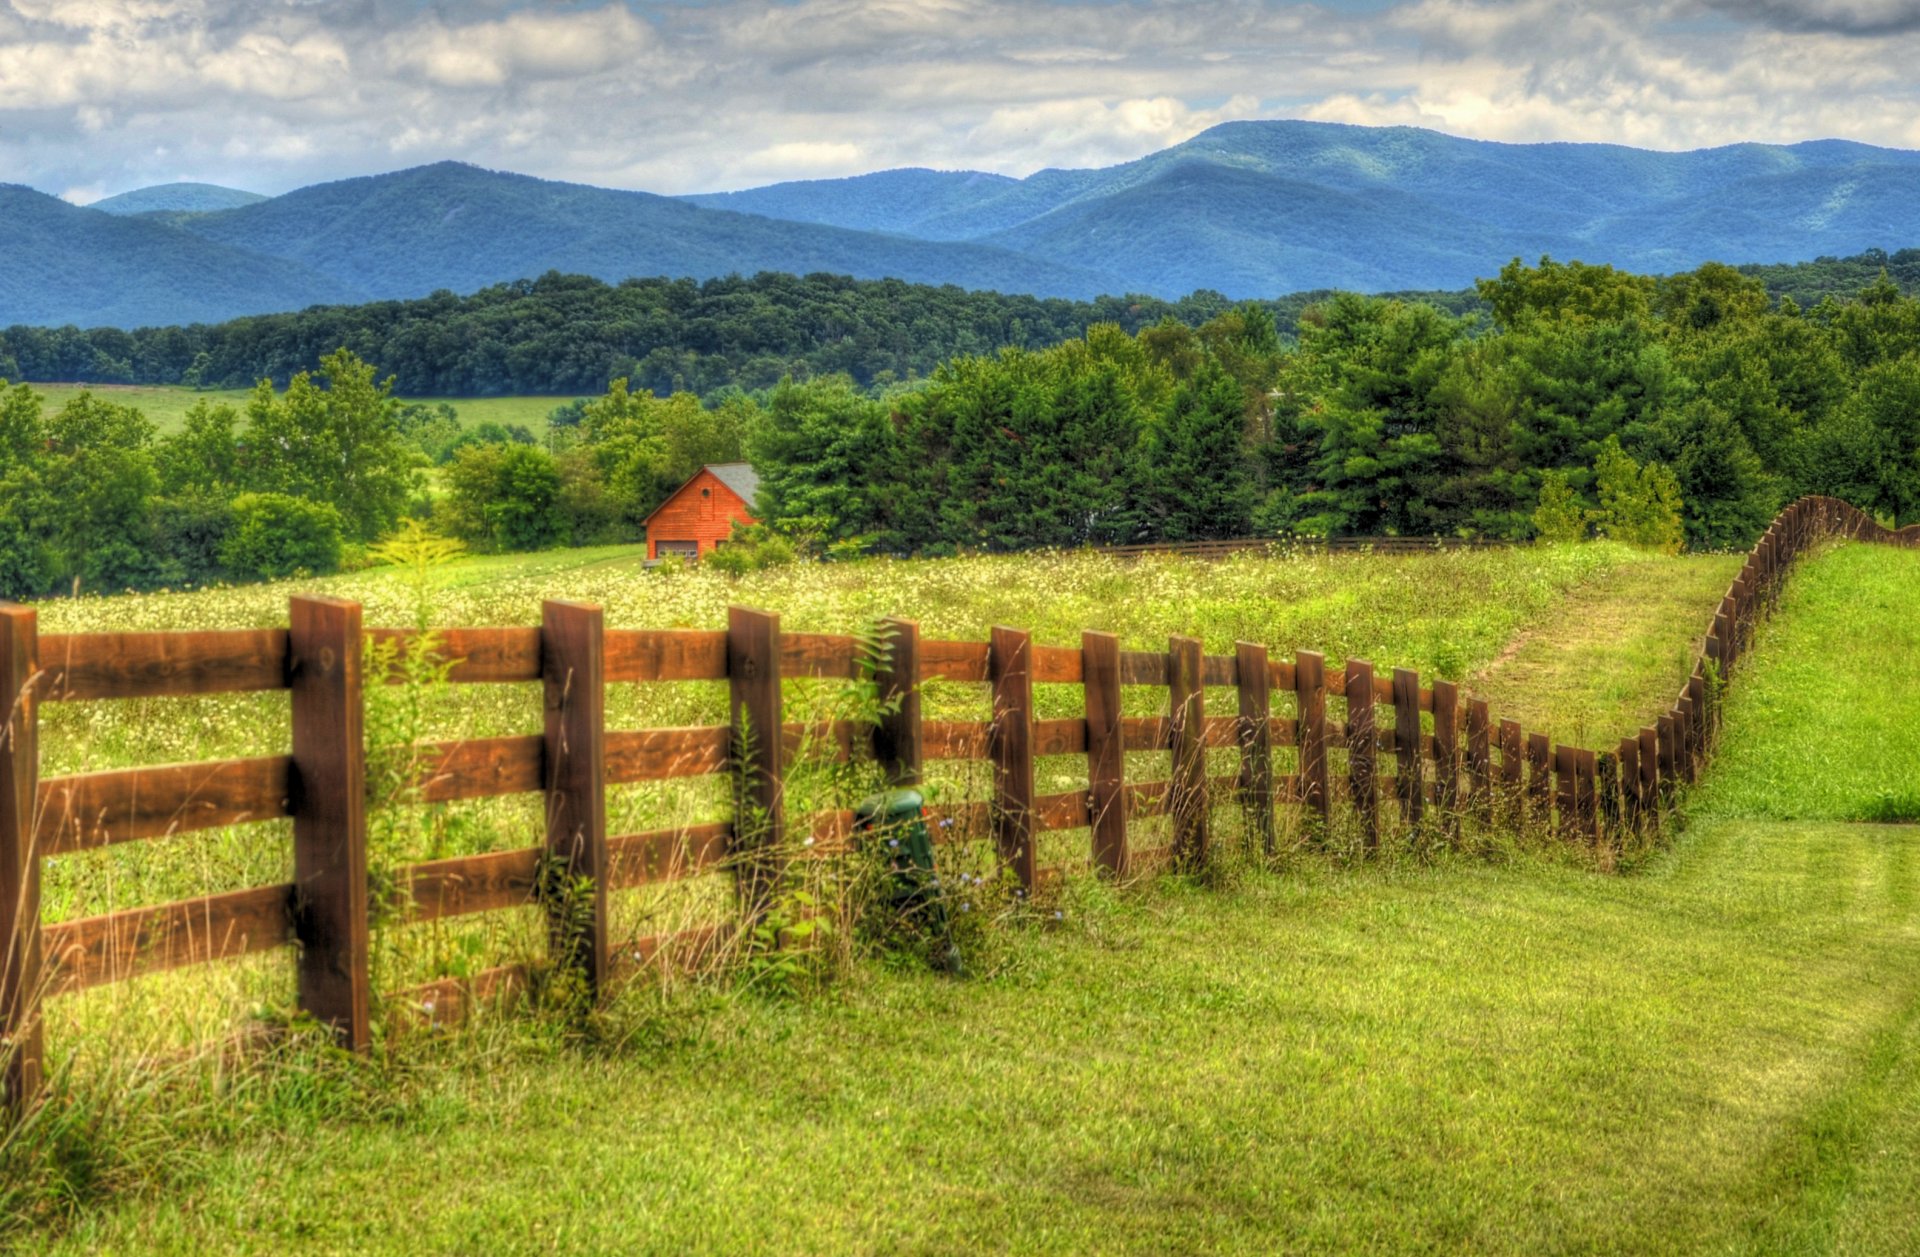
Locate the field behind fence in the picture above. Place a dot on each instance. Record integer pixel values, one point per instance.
(1377, 751)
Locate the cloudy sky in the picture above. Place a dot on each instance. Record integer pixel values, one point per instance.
(98, 96)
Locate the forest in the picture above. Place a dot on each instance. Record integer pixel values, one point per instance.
(1677, 411)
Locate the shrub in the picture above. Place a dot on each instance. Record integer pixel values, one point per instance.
(1639, 505)
(1559, 517)
(505, 498)
(275, 535)
(752, 548)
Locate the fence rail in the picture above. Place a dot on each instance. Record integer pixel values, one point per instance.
(1469, 765)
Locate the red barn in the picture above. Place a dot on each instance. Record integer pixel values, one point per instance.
(700, 514)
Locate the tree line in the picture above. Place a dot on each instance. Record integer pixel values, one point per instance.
(1664, 411)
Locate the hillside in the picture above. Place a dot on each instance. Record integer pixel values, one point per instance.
(70, 265)
(177, 198)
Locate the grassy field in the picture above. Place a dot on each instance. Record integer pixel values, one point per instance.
(1720, 1053)
(167, 405)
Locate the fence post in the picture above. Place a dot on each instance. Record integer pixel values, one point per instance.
(1480, 760)
(897, 743)
(1683, 739)
(1628, 770)
(1566, 791)
(1363, 751)
(1512, 786)
(1669, 760)
(756, 715)
(1586, 805)
(1539, 783)
(1187, 706)
(1446, 755)
(1256, 740)
(1106, 751)
(1610, 805)
(573, 676)
(1010, 669)
(330, 816)
(1410, 781)
(1310, 697)
(20, 955)
(1701, 711)
(1649, 784)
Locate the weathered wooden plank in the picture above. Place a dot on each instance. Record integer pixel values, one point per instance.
(1310, 698)
(122, 945)
(665, 655)
(1539, 783)
(1106, 746)
(1056, 665)
(830, 655)
(91, 810)
(1188, 713)
(668, 855)
(1255, 735)
(574, 688)
(1362, 770)
(478, 655)
(1067, 810)
(483, 768)
(1011, 668)
(1480, 760)
(328, 789)
(1147, 733)
(953, 661)
(21, 1033)
(1142, 667)
(1060, 737)
(1446, 756)
(82, 667)
(758, 755)
(1407, 745)
(955, 739)
(899, 744)
(474, 883)
(1219, 670)
(663, 754)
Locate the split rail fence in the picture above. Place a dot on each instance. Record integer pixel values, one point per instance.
(1450, 759)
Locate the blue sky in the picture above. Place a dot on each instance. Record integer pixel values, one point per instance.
(97, 96)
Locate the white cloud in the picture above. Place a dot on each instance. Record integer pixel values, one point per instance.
(672, 97)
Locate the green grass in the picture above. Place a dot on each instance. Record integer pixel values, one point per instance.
(167, 405)
(1827, 726)
(1720, 1053)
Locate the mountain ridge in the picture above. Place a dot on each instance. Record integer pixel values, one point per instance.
(1247, 209)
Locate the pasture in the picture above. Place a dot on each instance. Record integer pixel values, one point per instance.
(1715, 1053)
(167, 405)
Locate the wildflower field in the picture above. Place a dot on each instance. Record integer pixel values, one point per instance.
(1714, 1052)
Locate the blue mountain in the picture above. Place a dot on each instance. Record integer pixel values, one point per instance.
(177, 198)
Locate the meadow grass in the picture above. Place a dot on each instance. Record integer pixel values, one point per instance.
(1415, 1055)
(167, 405)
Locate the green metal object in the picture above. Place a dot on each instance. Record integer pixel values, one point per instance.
(897, 821)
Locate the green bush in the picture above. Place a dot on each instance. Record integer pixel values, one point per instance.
(275, 535)
(752, 548)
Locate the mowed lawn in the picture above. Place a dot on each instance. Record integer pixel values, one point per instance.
(1720, 1053)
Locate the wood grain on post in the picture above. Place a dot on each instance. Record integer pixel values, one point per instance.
(898, 739)
(1649, 786)
(1010, 671)
(1585, 794)
(1702, 713)
(1186, 700)
(1255, 736)
(1628, 758)
(328, 783)
(1539, 782)
(20, 942)
(573, 676)
(1362, 753)
(1685, 765)
(1668, 757)
(1446, 755)
(1566, 791)
(1406, 742)
(759, 754)
(1512, 780)
(1310, 695)
(1106, 751)
(1480, 760)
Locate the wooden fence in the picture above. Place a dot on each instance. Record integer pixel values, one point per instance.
(1468, 765)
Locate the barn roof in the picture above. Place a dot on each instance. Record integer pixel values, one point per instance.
(740, 477)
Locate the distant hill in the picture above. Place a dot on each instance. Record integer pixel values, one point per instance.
(65, 264)
(1248, 210)
(1258, 208)
(177, 198)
